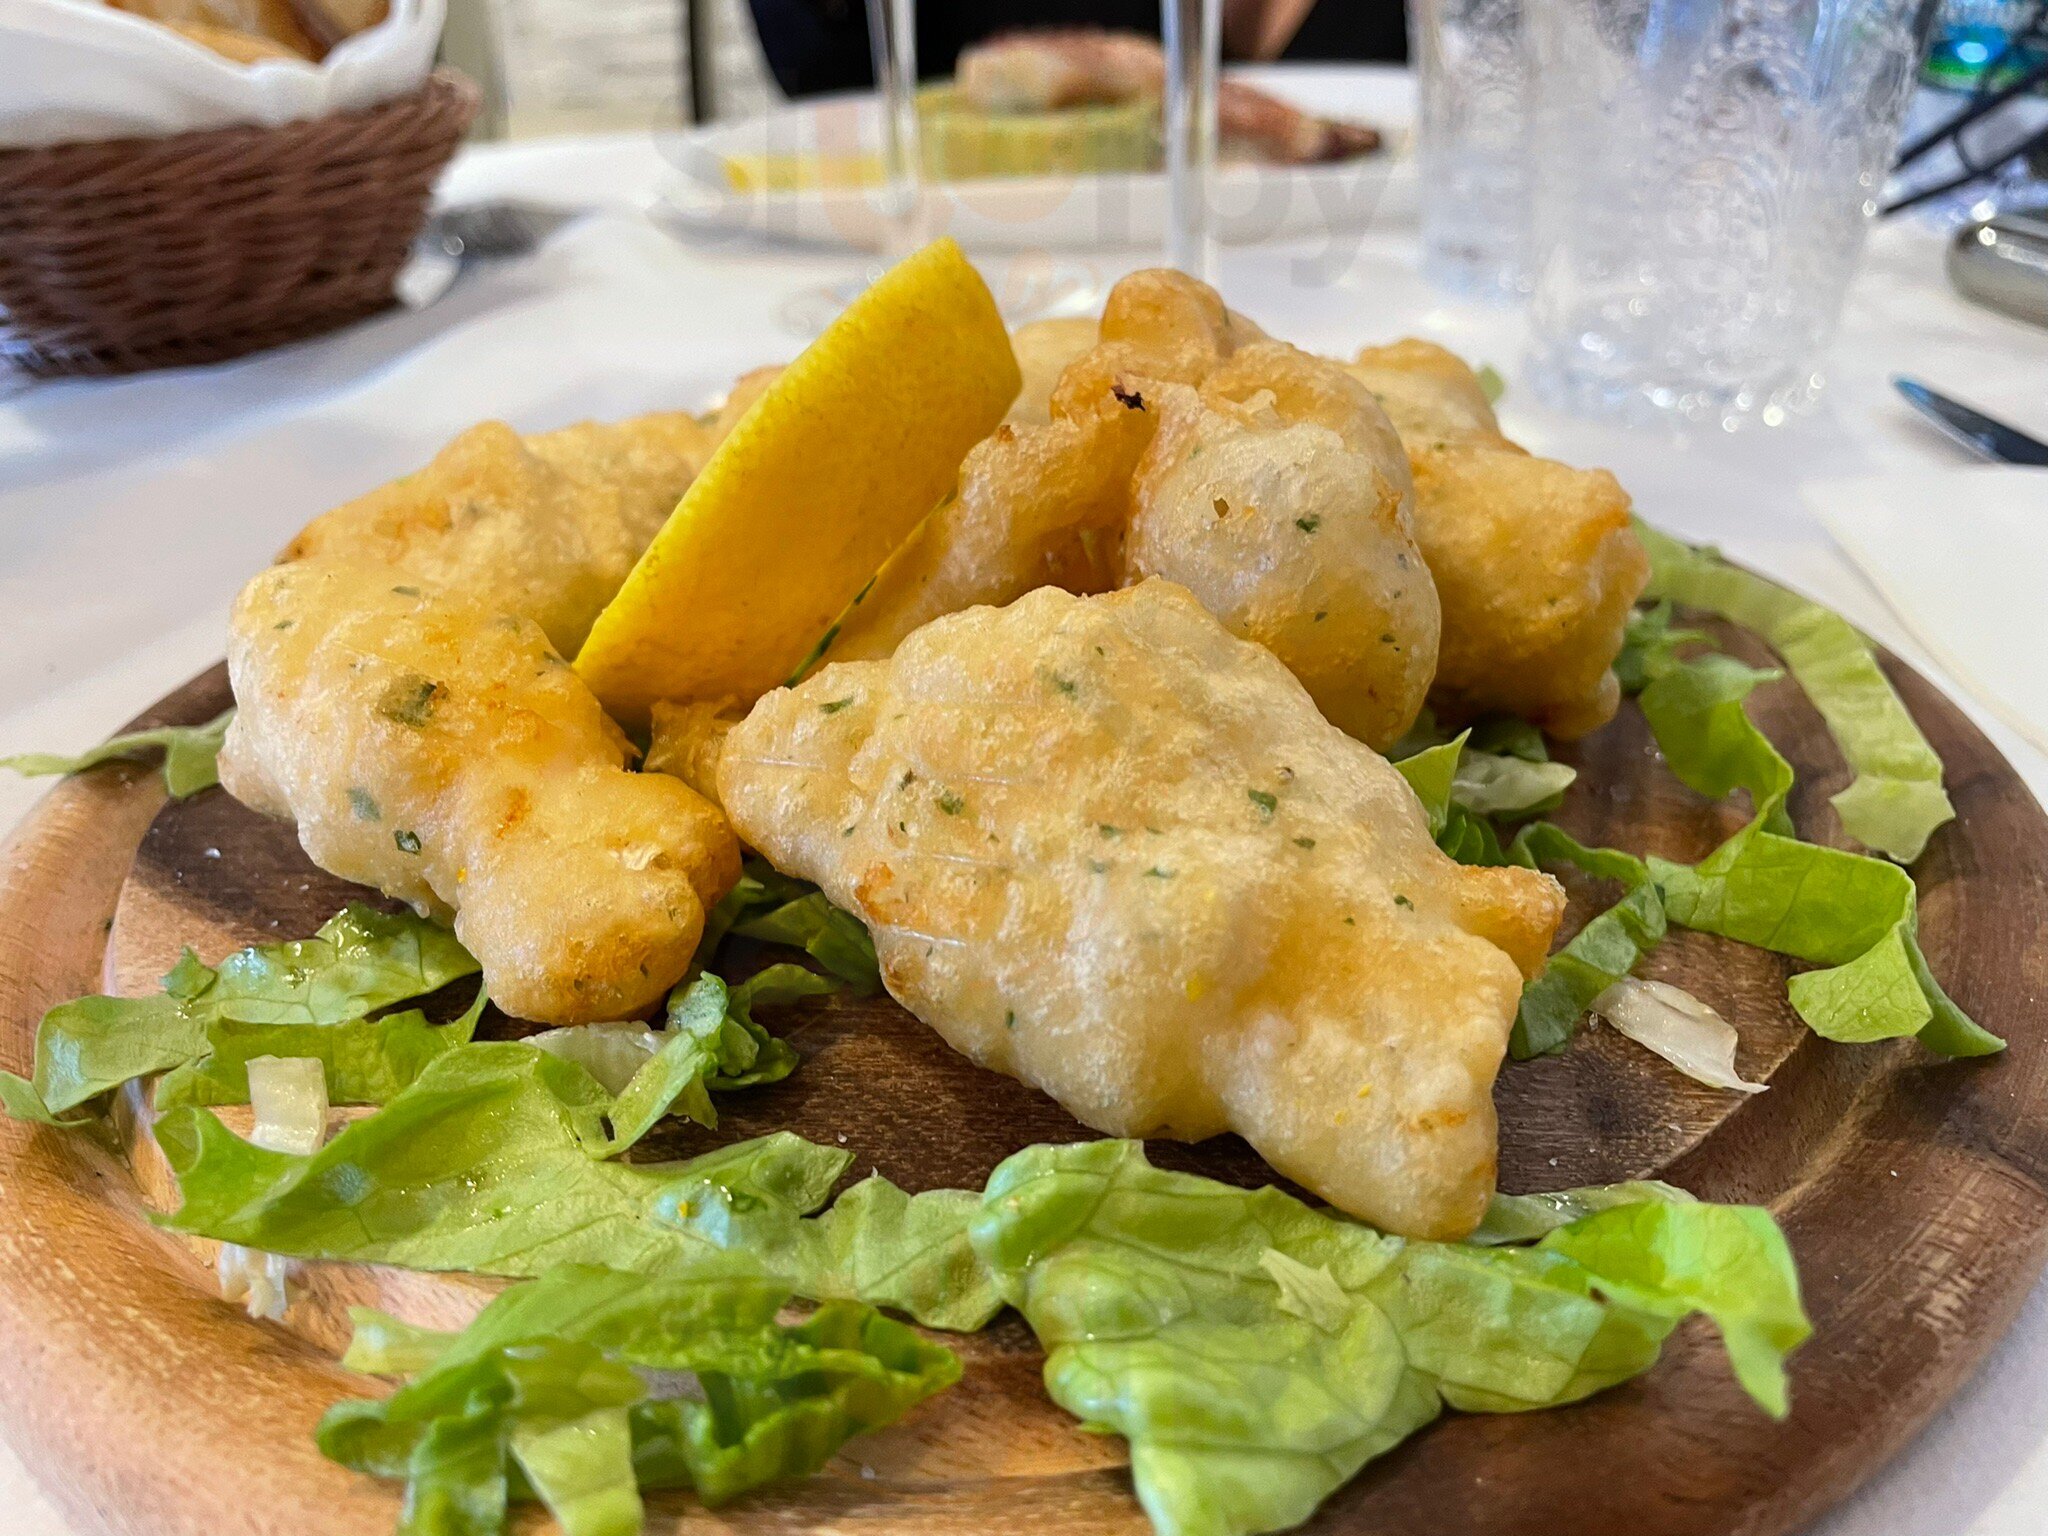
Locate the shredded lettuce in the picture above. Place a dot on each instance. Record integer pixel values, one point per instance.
(1517, 780)
(1896, 800)
(1440, 777)
(610, 1052)
(551, 1392)
(1855, 914)
(1256, 1352)
(288, 1100)
(1599, 954)
(1694, 709)
(779, 909)
(1502, 784)
(1852, 913)
(1649, 646)
(190, 753)
(307, 997)
(500, 1159)
(711, 1043)
(1525, 1218)
(1431, 772)
(383, 1345)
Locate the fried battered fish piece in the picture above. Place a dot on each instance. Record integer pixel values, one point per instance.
(1036, 506)
(1044, 502)
(1110, 849)
(444, 753)
(1279, 495)
(1158, 325)
(1536, 565)
(546, 527)
(1044, 350)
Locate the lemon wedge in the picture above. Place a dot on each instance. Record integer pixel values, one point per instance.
(825, 475)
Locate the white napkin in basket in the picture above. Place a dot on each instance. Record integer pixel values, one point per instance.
(74, 69)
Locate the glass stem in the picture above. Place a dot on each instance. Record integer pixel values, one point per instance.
(1192, 31)
(892, 33)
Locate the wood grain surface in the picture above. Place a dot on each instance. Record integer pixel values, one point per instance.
(1912, 1191)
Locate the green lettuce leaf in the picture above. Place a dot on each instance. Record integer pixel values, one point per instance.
(581, 1468)
(1856, 914)
(712, 1044)
(1509, 736)
(93, 1044)
(1525, 1218)
(549, 1380)
(1256, 1353)
(1504, 784)
(1669, 1259)
(305, 997)
(1649, 646)
(382, 1345)
(1695, 710)
(498, 1159)
(1599, 954)
(189, 753)
(1896, 800)
(20, 1101)
(779, 909)
(367, 1060)
(1431, 773)
(1434, 773)
(833, 938)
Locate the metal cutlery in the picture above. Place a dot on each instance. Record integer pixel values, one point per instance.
(1983, 435)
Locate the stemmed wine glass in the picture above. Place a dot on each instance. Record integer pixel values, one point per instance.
(892, 34)
(1192, 34)
(1036, 284)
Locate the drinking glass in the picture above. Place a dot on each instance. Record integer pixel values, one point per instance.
(1191, 35)
(892, 35)
(1704, 175)
(1471, 81)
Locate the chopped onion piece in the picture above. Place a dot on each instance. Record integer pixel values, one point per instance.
(289, 1096)
(254, 1278)
(1677, 1026)
(611, 1053)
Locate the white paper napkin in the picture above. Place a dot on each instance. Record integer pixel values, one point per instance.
(1961, 555)
(75, 70)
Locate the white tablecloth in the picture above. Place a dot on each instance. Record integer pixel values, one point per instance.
(130, 511)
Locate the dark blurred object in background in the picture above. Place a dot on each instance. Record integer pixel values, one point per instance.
(822, 45)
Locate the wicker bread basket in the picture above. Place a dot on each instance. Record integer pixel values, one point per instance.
(128, 254)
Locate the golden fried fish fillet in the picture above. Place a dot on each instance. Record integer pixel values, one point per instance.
(444, 753)
(545, 527)
(1109, 848)
(1044, 349)
(1279, 495)
(1536, 565)
(1044, 500)
(1157, 325)
(1036, 506)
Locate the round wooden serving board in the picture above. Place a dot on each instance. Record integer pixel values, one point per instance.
(1912, 1191)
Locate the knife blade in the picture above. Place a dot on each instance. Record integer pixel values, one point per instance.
(1982, 435)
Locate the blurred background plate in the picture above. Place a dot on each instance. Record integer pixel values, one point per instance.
(1099, 212)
